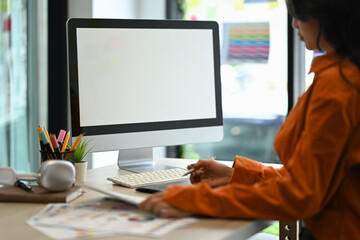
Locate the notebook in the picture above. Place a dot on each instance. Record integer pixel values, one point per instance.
(39, 195)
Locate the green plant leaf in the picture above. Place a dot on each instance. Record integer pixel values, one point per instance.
(81, 150)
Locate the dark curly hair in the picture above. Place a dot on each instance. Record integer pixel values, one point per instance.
(339, 21)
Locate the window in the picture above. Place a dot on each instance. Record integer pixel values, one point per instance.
(14, 146)
(18, 134)
(254, 79)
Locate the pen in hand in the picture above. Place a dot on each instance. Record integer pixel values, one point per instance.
(194, 169)
(189, 171)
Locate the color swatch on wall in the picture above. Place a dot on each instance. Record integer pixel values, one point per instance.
(245, 42)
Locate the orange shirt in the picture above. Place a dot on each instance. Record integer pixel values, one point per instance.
(319, 146)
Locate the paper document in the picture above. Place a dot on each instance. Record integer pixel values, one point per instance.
(101, 218)
(119, 196)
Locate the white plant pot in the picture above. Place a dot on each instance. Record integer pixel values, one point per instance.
(80, 171)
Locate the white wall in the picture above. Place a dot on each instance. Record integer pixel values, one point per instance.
(136, 9)
(131, 9)
(80, 8)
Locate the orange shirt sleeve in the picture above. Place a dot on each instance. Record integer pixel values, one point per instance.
(310, 177)
(247, 171)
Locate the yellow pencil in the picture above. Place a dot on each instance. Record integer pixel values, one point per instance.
(73, 147)
(48, 137)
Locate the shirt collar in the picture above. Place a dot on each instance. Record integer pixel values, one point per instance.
(324, 61)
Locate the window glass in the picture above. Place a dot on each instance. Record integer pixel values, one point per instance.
(253, 38)
(13, 85)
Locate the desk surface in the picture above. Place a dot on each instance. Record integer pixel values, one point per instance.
(14, 215)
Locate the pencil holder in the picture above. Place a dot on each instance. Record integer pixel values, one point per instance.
(45, 155)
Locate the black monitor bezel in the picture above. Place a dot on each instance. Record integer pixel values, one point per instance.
(74, 23)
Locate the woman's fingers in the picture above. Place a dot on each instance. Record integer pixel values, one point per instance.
(197, 176)
(165, 210)
(190, 166)
(160, 208)
(150, 203)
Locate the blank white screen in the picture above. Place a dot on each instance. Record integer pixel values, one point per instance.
(145, 75)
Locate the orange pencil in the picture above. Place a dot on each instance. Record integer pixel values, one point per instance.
(63, 149)
(47, 134)
(73, 147)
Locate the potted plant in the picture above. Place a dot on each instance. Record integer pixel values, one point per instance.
(80, 164)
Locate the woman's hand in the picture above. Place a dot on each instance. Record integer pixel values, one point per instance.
(211, 172)
(156, 205)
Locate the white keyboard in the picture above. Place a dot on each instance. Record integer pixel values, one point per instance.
(136, 180)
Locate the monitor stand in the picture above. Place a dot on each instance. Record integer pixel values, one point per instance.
(139, 160)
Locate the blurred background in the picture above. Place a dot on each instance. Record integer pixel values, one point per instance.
(264, 70)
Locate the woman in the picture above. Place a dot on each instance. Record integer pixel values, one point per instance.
(318, 144)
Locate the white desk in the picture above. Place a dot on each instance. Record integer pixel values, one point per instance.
(13, 216)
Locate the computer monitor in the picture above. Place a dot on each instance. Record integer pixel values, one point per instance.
(138, 84)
